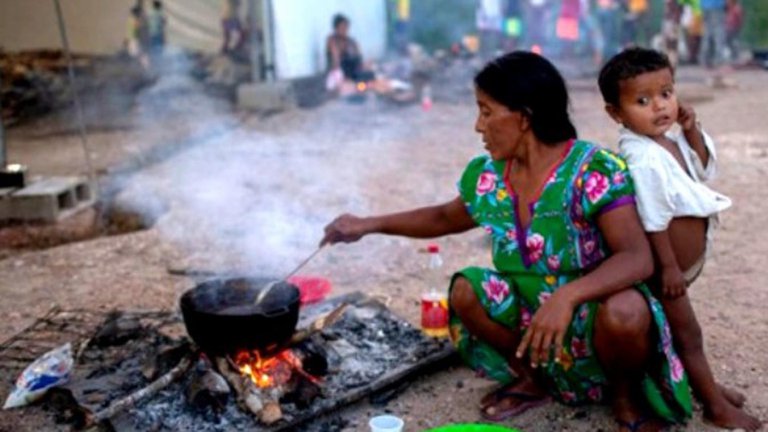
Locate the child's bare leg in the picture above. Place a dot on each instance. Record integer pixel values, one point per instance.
(688, 340)
(688, 239)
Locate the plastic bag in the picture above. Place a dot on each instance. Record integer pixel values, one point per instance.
(334, 79)
(51, 369)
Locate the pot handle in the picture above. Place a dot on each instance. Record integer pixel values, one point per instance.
(279, 311)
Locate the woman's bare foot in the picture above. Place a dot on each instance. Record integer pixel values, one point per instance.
(735, 397)
(512, 400)
(728, 416)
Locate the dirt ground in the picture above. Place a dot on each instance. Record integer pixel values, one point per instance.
(237, 192)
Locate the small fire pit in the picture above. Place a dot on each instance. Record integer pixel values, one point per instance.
(138, 371)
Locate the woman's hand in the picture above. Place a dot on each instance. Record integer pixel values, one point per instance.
(672, 282)
(346, 229)
(548, 328)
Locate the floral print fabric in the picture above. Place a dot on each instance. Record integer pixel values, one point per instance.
(560, 243)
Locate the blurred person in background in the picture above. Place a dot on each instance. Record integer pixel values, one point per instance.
(635, 28)
(734, 20)
(712, 52)
(137, 38)
(343, 53)
(693, 29)
(607, 12)
(156, 24)
(232, 27)
(537, 24)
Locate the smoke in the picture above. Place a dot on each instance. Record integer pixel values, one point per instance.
(240, 192)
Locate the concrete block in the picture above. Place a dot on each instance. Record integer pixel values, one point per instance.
(49, 199)
(5, 203)
(266, 96)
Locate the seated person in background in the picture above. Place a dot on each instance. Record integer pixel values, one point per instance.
(343, 53)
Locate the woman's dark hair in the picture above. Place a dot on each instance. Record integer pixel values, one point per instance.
(339, 19)
(626, 65)
(529, 83)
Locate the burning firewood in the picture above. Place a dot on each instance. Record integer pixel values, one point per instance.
(262, 404)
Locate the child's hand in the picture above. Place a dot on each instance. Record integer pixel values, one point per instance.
(673, 282)
(686, 117)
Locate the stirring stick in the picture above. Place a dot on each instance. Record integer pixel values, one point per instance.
(301, 265)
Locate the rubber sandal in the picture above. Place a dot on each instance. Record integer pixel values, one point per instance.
(634, 426)
(527, 401)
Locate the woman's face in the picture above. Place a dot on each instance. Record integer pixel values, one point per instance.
(502, 129)
(343, 28)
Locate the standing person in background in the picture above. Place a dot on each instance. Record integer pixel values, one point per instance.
(536, 25)
(670, 29)
(567, 27)
(137, 36)
(231, 25)
(488, 19)
(156, 22)
(693, 29)
(734, 20)
(512, 24)
(713, 43)
(402, 25)
(635, 31)
(607, 18)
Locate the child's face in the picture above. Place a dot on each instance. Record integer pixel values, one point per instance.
(647, 103)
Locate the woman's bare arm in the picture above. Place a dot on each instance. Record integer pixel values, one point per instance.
(425, 222)
(630, 261)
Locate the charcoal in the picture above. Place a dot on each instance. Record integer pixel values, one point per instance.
(303, 392)
(117, 330)
(314, 357)
(208, 389)
(166, 358)
(66, 408)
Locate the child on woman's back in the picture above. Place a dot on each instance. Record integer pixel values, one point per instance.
(677, 210)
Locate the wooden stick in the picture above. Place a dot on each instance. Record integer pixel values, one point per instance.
(319, 324)
(141, 394)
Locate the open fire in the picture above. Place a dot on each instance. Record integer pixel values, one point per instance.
(138, 376)
(273, 371)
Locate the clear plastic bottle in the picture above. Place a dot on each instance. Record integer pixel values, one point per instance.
(434, 303)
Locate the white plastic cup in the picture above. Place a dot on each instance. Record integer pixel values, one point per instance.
(386, 423)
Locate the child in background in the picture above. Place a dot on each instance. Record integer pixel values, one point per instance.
(677, 210)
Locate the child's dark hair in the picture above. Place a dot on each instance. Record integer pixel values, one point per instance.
(628, 64)
(529, 83)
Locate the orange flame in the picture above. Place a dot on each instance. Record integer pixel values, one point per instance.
(361, 86)
(269, 372)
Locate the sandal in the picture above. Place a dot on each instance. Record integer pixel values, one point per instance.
(526, 401)
(635, 425)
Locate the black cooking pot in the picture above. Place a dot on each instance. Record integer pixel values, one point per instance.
(223, 317)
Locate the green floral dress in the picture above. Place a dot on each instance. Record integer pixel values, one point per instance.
(560, 244)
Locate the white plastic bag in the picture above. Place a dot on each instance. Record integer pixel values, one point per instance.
(51, 369)
(334, 79)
